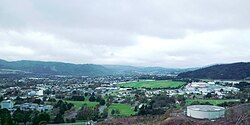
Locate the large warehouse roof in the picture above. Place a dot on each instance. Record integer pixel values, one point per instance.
(205, 108)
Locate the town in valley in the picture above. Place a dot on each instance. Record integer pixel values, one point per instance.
(120, 99)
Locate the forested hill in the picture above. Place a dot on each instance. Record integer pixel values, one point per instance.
(55, 68)
(239, 70)
(60, 68)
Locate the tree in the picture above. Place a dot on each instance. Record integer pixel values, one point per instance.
(142, 110)
(108, 104)
(209, 95)
(74, 92)
(40, 117)
(115, 112)
(85, 113)
(136, 108)
(1, 98)
(51, 100)
(5, 117)
(44, 98)
(78, 98)
(112, 111)
(47, 91)
(102, 102)
(221, 90)
(59, 109)
(98, 98)
(95, 114)
(180, 98)
(20, 116)
(59, 119)
(105, 113)
(162, 101)
(63, 106)
(18, 100)
(38, 101)
(92, 98)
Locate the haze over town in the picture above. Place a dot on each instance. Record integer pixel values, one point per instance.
(180, 33)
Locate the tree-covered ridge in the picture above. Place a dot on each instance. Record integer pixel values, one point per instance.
(60, 68)
(239, 70)
(55, 68)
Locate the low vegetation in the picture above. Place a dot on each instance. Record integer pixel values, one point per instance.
(210, 101)
(123, 109)
(79, 104)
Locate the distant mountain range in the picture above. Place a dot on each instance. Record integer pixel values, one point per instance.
(236, 71)
(60, 68)
(239, 70)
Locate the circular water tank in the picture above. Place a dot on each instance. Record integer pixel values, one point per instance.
(205, 111)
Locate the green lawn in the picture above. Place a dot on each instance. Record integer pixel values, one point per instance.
(79, 104)
(212, 101)
(153, 84)
(125, 109)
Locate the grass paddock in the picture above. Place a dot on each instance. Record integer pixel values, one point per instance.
(153, 84)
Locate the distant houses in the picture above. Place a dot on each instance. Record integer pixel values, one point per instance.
(8, 104)
(33, 106)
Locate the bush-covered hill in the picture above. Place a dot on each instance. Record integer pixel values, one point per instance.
(59, 68)
(239, 70)
(55, 68)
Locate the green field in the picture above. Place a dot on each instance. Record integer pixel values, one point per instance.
(212, 101)
(79, 104)
(153, 84)
(125, 109)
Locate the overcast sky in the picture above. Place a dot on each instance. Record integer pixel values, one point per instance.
(167, 33)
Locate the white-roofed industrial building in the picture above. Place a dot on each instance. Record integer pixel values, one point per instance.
(205, 111)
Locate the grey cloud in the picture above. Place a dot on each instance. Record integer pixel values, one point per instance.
(104, 31)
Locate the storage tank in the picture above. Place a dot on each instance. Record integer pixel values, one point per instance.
(205, 111)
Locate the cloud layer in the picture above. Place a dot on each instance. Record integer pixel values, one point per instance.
(180, 33)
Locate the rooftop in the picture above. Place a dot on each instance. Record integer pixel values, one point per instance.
(6, 101)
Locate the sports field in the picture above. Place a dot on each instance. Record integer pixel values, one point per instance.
(153, 84)
(124, 109)
(212, 101)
